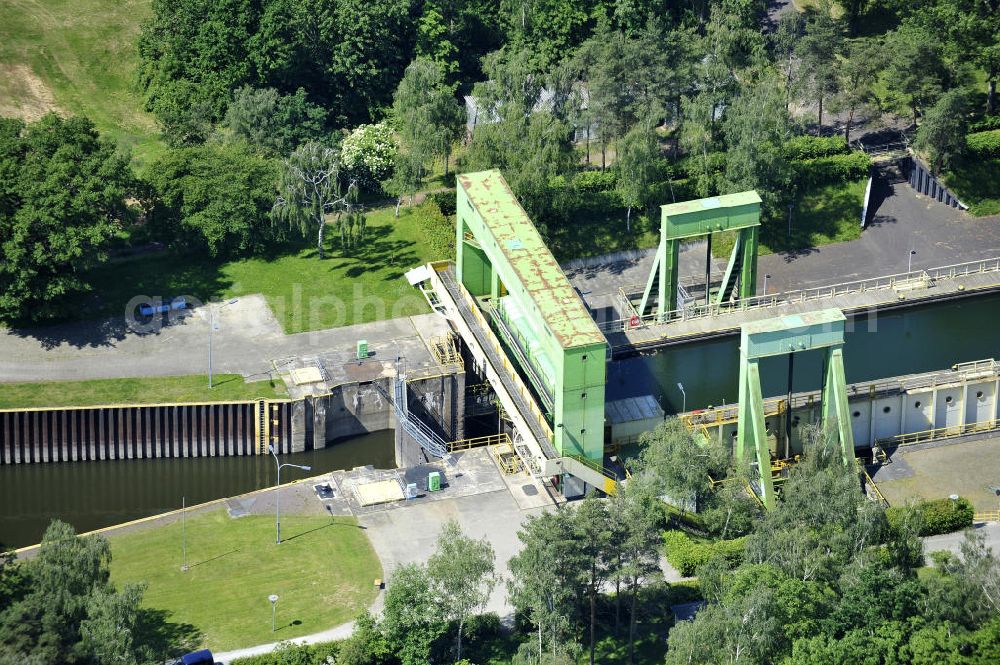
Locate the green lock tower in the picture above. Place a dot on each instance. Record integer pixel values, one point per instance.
(783, 336)
(702, 218)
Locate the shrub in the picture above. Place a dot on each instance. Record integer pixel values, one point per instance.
(984, 144)
(445, 201)
(937, 516)
(686, 554)
(945, 516)
(986, 124)
(831, 169)
(595, 181)
(811, 147)
(287, 653)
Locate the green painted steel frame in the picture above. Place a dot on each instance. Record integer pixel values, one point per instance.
(703, 217)
(822, 330)
(499, 251)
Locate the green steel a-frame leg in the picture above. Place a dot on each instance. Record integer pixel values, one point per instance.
(751, 430)
(664, 276)
(834, 402)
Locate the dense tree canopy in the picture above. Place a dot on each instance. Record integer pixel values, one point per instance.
(215, 197)
(62, 200)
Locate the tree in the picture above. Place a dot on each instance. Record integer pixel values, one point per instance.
(915, 74)
(426, 113)
(309, 188)
(462, 568)
(62, 200)
(942, 133)
(756, 128)
(67, 610)
(853, 10)
(818, 49)
(215, 197)
(367, 155)
(273, 122)
(857, 74)
(531, 145)
(636, 523)
(675, 463)
(412, 619)
(592, 527)
(791, 26)
(544, 575)
(635, 168)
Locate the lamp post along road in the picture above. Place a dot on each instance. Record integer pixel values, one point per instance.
(274, 605)
(277, 494)
(909, 261)
(684, 403)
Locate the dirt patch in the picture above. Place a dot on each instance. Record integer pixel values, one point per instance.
(23, 94)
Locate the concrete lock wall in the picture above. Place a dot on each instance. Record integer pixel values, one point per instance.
(885, 416)
(217, 429)
(140, 432)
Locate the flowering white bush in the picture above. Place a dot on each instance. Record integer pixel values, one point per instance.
(368, 153)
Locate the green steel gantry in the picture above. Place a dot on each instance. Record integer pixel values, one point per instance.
(703, 217)
(787, 335)
(503, 262)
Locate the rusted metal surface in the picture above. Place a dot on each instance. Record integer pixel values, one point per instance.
(518, 240)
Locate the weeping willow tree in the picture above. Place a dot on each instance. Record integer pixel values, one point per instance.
(310, 188)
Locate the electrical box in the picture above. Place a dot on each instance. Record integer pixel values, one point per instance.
(433, 481)
(362, 349)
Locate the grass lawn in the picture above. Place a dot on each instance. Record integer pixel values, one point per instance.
(304, 292)
(80, 57)
(322, 573)
(193, 388)
(821, 216)
(977, 184)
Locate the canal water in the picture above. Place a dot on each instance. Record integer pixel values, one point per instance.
(96, 494)
(92, 495)
(907, 341)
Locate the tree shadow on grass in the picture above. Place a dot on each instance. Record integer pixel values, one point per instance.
(113, 288)
(163, 637)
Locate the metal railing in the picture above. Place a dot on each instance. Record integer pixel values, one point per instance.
(939, 433)
(870, 483)
(506, 365)
(477, 442)
(987, 516)
(905, 280)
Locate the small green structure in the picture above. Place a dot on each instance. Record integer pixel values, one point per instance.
(703, 217)
(548, 333)
(787, 335)
(362, 349)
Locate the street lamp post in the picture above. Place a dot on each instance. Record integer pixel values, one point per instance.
(277, 494)
(909, 260)
(213, 326)
(274, 607)
(684, 402)
(766, 275)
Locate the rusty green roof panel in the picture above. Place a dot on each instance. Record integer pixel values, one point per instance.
(522, 246)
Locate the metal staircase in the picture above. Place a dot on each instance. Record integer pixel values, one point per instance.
(425, 437)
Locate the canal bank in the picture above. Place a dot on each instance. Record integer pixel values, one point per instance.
(94, 496)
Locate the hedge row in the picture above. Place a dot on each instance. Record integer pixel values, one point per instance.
(937, 515)
(984, 144)
(685, 554)
(986, 124)
(811, 147)
(832, 169)
(288, 653)
(595, 181)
